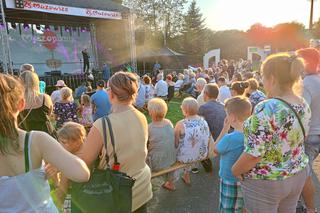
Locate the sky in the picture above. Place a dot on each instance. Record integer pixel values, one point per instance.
(241, 14)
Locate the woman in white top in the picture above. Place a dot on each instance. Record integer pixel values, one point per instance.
(192, 136)
(23, 186)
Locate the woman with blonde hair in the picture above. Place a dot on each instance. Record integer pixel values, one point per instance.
(36, 115)
(130, 130)
(161, 149)
(274, 166)
(23, 185)
(65, 110)
(192, 136)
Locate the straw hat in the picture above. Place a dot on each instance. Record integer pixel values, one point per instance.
(60, 83)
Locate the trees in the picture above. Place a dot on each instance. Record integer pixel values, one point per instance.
(159, 16)
(194, 32)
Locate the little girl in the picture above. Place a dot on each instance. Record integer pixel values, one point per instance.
(161, 148)
(86, 111)
(71, 136)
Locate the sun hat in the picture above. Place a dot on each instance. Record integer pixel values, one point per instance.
(60, 83)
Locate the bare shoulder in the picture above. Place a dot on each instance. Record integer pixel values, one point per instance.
(168, 122)
(40, 137)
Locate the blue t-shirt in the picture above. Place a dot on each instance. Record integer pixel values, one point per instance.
(101, 100)
(230, 148)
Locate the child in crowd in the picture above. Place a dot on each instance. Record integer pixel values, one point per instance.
(229, 147)
(86, 111)
(161, 147)
(71, 136)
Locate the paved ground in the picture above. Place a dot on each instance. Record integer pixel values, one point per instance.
(202, 196)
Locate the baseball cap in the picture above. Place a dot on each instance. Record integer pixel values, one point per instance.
(101, 83)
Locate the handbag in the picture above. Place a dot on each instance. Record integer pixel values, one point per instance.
(108, 190)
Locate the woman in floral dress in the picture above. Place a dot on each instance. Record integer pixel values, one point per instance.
(255, 95)
(274, 166)
(66, 110)
(192, 136)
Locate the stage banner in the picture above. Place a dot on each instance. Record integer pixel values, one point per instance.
(65, 10)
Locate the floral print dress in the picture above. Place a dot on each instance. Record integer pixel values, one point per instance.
(256, 97)
(194, 143)
(65, 112)
(273, 133)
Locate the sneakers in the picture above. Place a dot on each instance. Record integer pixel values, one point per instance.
(195, 170)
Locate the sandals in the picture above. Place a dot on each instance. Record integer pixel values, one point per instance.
(185, 182)
(168, 188)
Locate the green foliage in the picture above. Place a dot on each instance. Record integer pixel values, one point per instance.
(159, 16)
(193, 31)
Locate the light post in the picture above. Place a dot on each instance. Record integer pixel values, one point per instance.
(311, 15)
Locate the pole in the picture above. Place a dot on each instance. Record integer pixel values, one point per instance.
(133, 50)
(311, 16)
(7, 66)
(94, 44)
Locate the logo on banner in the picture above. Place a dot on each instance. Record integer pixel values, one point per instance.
(50, 40)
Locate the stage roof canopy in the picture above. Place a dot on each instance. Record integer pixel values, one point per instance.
(163, 52)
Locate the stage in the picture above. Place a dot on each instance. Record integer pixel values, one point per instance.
(51, 34)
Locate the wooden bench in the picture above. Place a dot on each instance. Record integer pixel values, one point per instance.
(172, 168)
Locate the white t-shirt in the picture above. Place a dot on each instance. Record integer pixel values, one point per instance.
(224, 94)
(56, 96)
(161, 89)
(178, 84)
(200, 99)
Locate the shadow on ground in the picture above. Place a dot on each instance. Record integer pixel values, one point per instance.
(202, 196)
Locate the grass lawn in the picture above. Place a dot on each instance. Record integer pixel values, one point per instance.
(174, 111)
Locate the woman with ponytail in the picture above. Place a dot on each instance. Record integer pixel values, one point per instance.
(274, 166)
(23, 185)
(238, 88)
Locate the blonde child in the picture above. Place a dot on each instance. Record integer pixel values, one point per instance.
(71, 136)
(86, 110)
(161, 148)
(229, 147)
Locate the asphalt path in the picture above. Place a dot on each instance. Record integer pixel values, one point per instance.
(203, 194)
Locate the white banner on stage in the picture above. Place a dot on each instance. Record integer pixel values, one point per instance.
(65, 10)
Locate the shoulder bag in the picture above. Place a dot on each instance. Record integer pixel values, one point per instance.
(108, 190)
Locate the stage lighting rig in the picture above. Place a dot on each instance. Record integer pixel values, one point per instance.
(19, 3)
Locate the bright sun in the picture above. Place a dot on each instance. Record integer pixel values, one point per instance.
(241, 14)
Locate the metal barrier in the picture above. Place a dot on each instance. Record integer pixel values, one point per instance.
(72, 80)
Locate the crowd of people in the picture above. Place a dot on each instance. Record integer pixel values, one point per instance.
(265, 128)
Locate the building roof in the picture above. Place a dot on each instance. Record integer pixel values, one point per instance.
(107, 5)
(164, 51)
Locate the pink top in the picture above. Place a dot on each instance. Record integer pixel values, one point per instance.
(86, 115)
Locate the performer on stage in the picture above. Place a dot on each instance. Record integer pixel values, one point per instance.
(86, 64)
